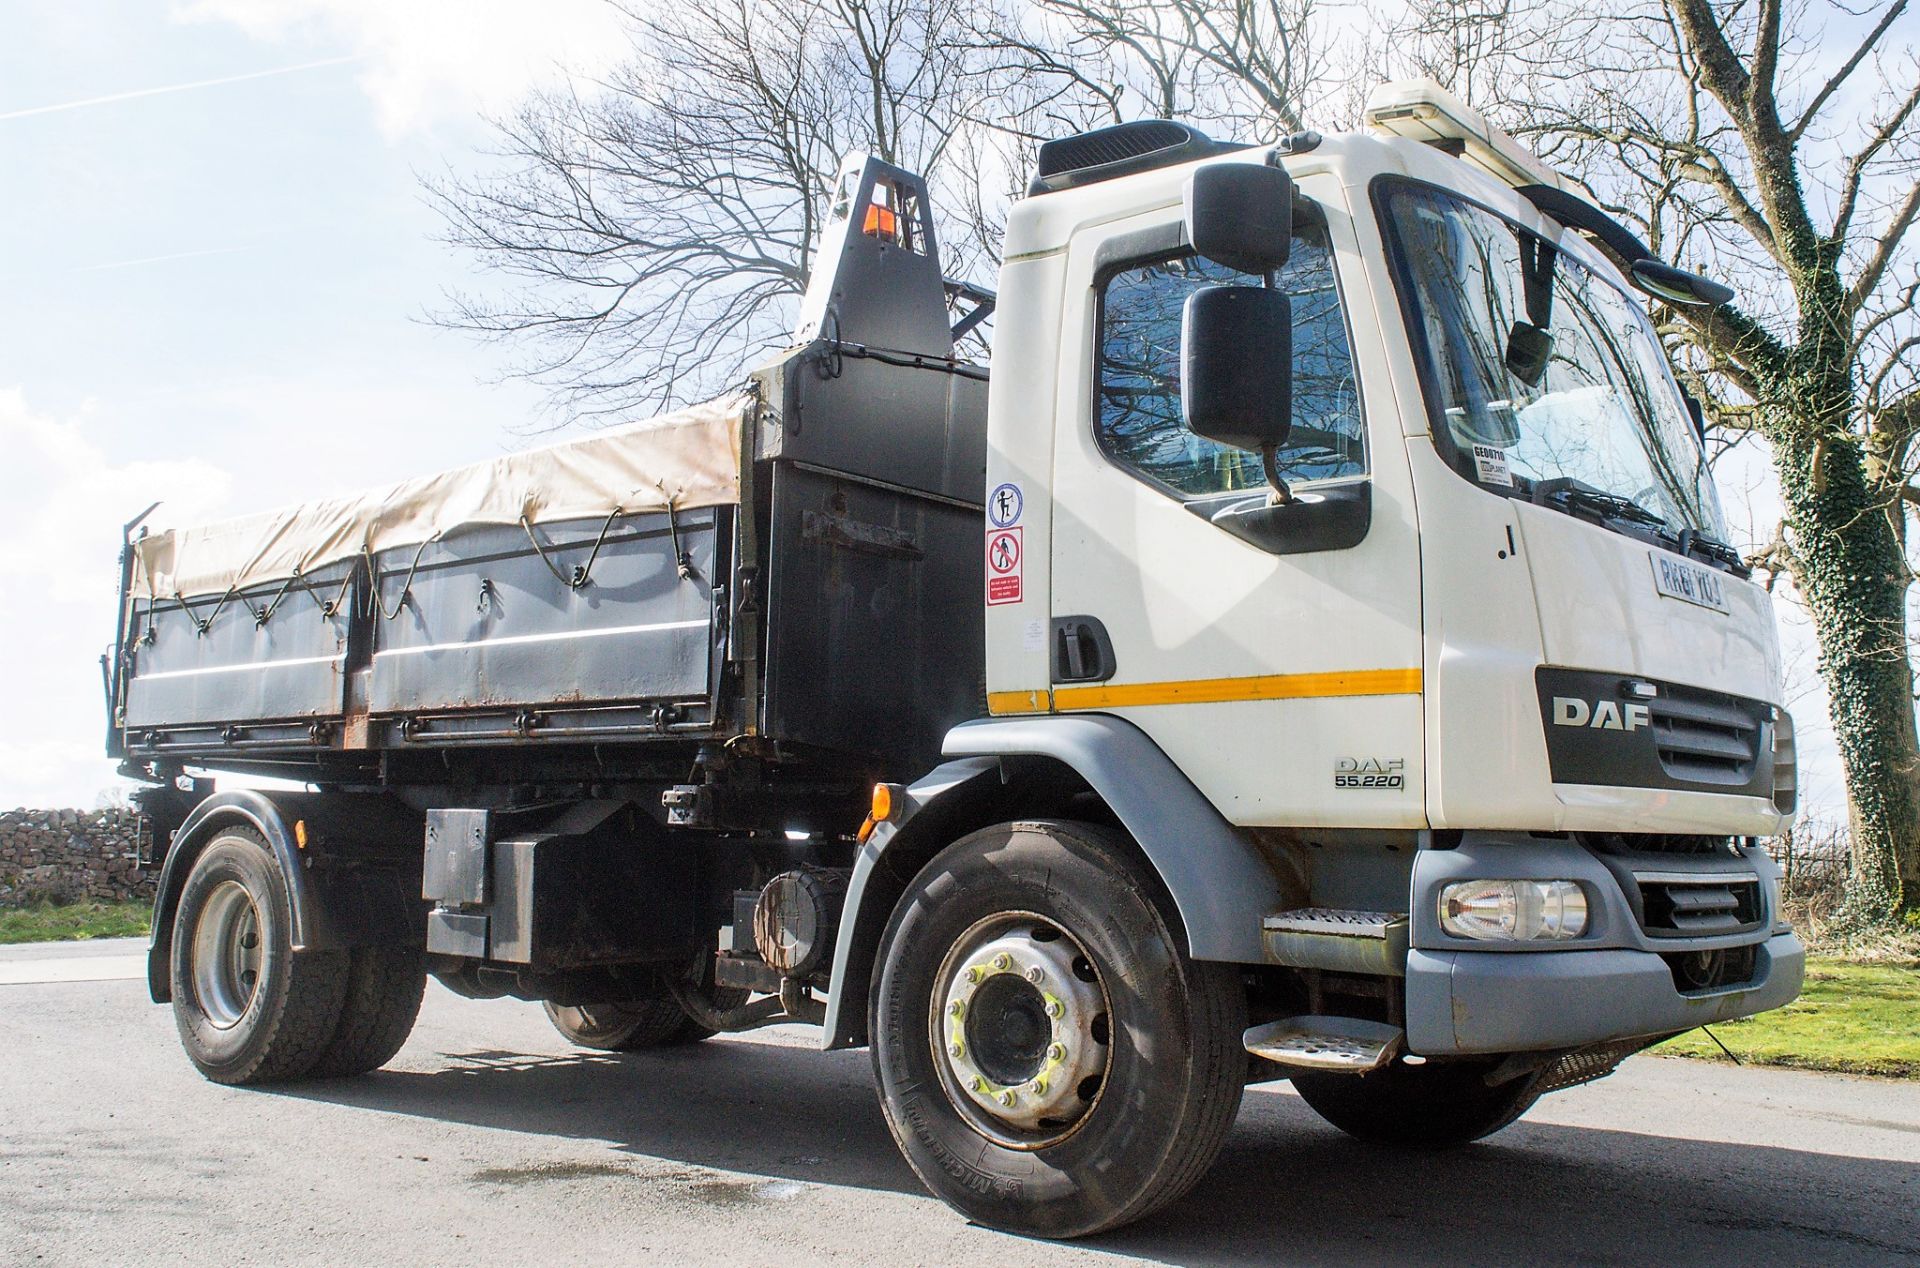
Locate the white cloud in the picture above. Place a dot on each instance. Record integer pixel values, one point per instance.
(429, 60)
(65, 499)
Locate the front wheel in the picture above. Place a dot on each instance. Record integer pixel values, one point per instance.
(1436, 1105)
(1049, 1058)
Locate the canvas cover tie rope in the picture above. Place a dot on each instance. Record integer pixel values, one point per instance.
(406, 587)
(582, 573)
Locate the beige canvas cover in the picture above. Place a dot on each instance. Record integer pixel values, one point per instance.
(685, 459)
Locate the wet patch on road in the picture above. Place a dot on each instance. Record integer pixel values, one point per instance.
(709, 1188)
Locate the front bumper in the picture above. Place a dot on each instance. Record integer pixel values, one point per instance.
(1506, 1001)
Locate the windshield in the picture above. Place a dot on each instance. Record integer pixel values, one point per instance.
(1543, 371)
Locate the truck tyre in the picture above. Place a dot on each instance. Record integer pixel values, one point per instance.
(1049, 1059)
(628, 1026)
(384, 989)
(1437, 1105)
(249, 1008)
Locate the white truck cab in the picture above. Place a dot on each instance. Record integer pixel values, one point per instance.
(1476, 662)
(1386, 674)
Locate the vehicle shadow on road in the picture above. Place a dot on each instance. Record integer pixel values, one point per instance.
(1287, 1187)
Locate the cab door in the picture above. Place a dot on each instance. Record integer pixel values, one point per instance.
(1276, 659)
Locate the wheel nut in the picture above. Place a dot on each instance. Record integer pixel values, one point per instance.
(1003, 961)
(975, 973)
(1008, 1099)
(958, 1050)
(979, 1084)
(1039, 1087)
(1036, 975)
(956, 1008)
(1054, 1009)
(1057, 1053)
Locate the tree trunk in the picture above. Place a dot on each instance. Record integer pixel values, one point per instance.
(1853, 577)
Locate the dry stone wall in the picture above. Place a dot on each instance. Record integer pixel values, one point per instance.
(70, 856)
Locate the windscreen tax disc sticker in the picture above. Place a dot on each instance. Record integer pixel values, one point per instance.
(1490, 465)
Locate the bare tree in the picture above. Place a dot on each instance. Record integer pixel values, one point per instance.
(652, 232)
(1253, 66)
(1468, 47)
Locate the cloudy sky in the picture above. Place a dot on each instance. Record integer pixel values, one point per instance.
(215, 260)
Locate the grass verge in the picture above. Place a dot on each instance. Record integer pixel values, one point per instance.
(44, 922)
(1851, 1018)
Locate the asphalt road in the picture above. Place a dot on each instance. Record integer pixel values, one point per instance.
(489, 1141)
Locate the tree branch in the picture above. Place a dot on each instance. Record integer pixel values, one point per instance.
(1846, 70)
(1884, 249)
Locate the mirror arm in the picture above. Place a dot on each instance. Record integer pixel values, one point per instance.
(1269, 460)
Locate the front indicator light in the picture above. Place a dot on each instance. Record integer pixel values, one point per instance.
(1514, 911)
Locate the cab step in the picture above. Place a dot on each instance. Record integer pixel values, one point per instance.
(1369, 942)
(1346, 1045)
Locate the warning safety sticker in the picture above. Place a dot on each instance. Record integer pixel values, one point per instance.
(1004, 505)
(1003, 565)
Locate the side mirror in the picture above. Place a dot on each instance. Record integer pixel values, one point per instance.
(1236, 366)
(1677, 286)
(1241, 215)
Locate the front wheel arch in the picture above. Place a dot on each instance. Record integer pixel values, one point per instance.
(1071, 766)
(950, 802)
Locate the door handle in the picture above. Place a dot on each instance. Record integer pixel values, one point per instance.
(1082, 652)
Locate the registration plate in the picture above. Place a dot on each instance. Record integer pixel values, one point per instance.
(1689, 582)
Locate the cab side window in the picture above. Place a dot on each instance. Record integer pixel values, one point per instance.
(1138, 377)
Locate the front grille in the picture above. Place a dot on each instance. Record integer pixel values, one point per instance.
(1704, 737)
(1698, 906)
(1618, 731)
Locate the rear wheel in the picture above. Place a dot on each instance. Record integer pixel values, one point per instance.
(1436, 1105)
(627, 1026)
(1050, 1060)
(248, 1008)
(384, 989)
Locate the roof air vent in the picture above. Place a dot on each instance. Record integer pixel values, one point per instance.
(1120, 150)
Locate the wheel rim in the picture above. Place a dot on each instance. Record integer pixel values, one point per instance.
(228, 952)
(1021, 1032)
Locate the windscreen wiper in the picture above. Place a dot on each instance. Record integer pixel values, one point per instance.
(1705, 546)
(1574, 497)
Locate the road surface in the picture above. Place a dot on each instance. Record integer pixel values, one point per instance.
(489, 1141)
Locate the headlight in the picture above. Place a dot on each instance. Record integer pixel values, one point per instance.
(1514, 911)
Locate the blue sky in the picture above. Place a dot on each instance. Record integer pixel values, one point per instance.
(213, 294)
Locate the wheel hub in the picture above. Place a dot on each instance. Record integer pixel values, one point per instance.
(227, 954)
(1020, 1026)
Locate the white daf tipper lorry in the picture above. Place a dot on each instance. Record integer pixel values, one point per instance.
(1312, 653)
